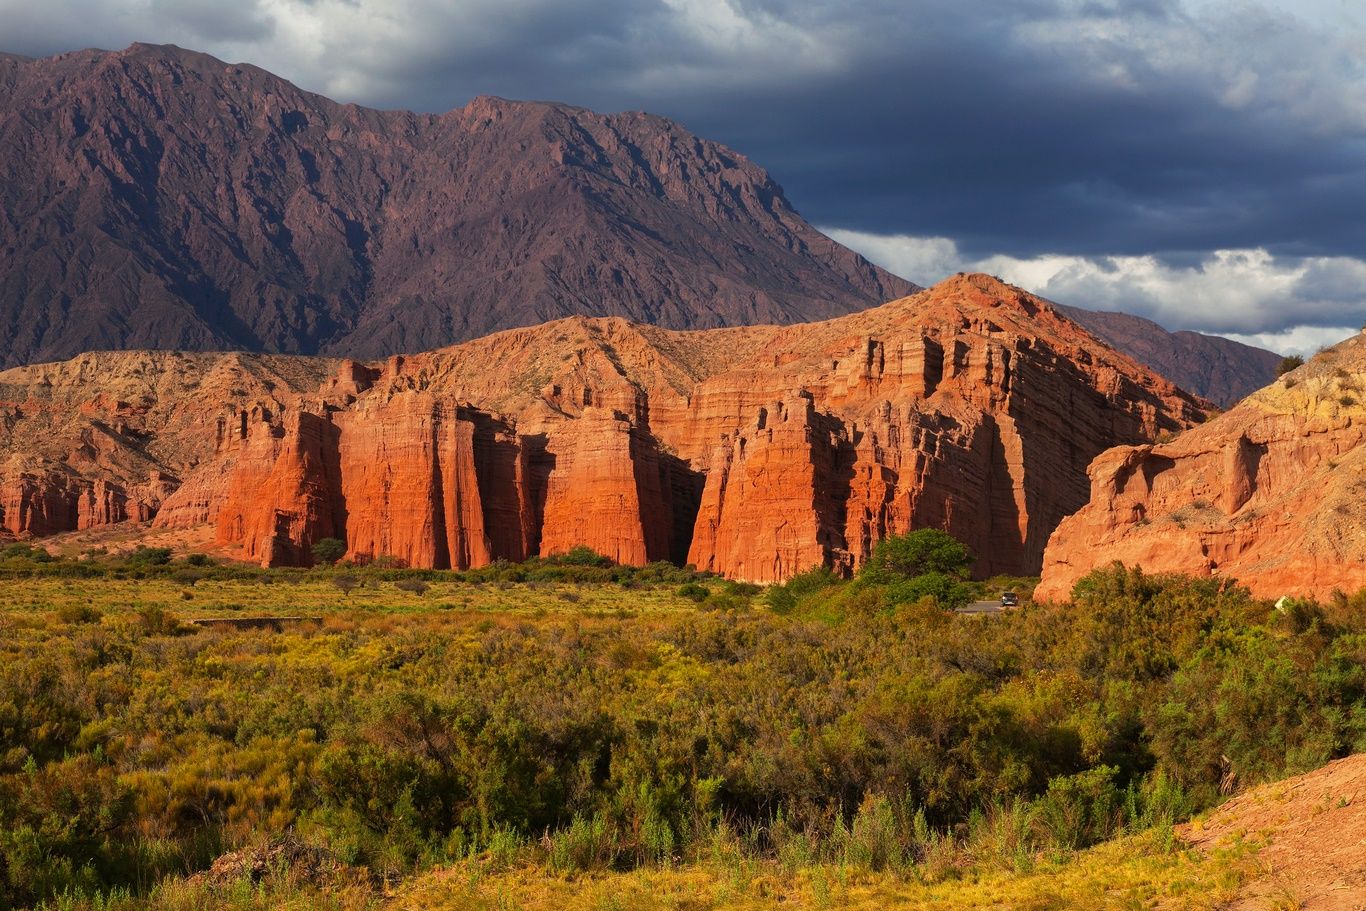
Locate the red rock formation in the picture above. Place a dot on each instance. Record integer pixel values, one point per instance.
(46, 504)
(1268, 494)
(768, 508)
(756, 453)
(608, 491)
(282, 495)
(107, 438)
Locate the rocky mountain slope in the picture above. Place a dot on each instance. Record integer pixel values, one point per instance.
(1269, 494)
(1219, 369)
(755, 452)
(159, 198)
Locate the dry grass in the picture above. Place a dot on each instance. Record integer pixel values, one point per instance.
(1139, 872)
(316, 596)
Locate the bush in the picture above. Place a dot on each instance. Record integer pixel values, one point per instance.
(780, 599)
(328, 551)
(149, 556)
(813, 580)
(693, 592)
(924, 551)
(1288, 364)
(415, 586)
(946, 591)
(346, 583)
(79, 613)
(580, 556)
(588, 844)
(1080, 810)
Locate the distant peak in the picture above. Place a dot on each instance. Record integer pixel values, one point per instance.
(981, 281)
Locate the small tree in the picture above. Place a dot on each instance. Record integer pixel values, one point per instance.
(923, 551)
(416, 586)
(329, 550)
(347, 583)
(1288, 364)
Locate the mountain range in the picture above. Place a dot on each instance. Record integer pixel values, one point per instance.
(1220, 369)
(160, 198)
(156, 197)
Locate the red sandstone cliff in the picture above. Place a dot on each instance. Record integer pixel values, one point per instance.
(754, 452)
(1268, 494)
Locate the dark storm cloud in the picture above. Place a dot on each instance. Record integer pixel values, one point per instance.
(1011, 127)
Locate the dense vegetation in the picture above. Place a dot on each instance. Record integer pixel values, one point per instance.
(824, 721)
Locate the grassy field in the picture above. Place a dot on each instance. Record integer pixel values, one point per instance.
(1147, 871)
(581, 736)
(316, 596)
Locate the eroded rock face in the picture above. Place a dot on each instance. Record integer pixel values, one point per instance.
(756, 453)
(1269, 494)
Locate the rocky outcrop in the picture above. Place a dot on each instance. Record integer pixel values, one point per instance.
(755, 453)
(44, 504)
(110, 437)
(769, 506)
(158, 198)
(282, 496)
(1268, 494)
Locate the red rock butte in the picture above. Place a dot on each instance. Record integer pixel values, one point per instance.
(754, 452)
(1269, 494)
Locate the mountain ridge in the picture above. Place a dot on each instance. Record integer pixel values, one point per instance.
(160, 198)
(1217, 368)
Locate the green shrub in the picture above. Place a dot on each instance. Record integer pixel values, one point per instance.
(780, 599)
(328, 551)
(1289, 363)
(693, 592)
(145, 556)
(79, 613)
(1080, 810)
(590, 843)
(924, 551)
(945, 590)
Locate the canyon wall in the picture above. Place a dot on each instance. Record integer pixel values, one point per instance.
(756, 453)
(1269, 495)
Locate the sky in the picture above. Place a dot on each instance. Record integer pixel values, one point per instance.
(1198, 162)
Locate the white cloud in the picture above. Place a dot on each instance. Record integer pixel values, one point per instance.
(1305, 341)
(1267, 59)
(1282, 303)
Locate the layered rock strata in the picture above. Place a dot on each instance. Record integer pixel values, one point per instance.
(756, 453)
(1269, 494)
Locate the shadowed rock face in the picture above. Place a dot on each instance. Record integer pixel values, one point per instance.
(753, 452)
(1269, 494)
(159, 198)
(1219, 369)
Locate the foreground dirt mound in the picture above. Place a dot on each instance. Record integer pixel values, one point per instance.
(1315, 829)
(1269, 494)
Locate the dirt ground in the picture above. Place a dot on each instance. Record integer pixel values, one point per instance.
(127, 536)
(1314, 827)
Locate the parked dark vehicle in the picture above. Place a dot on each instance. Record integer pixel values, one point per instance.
(1010, 599)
